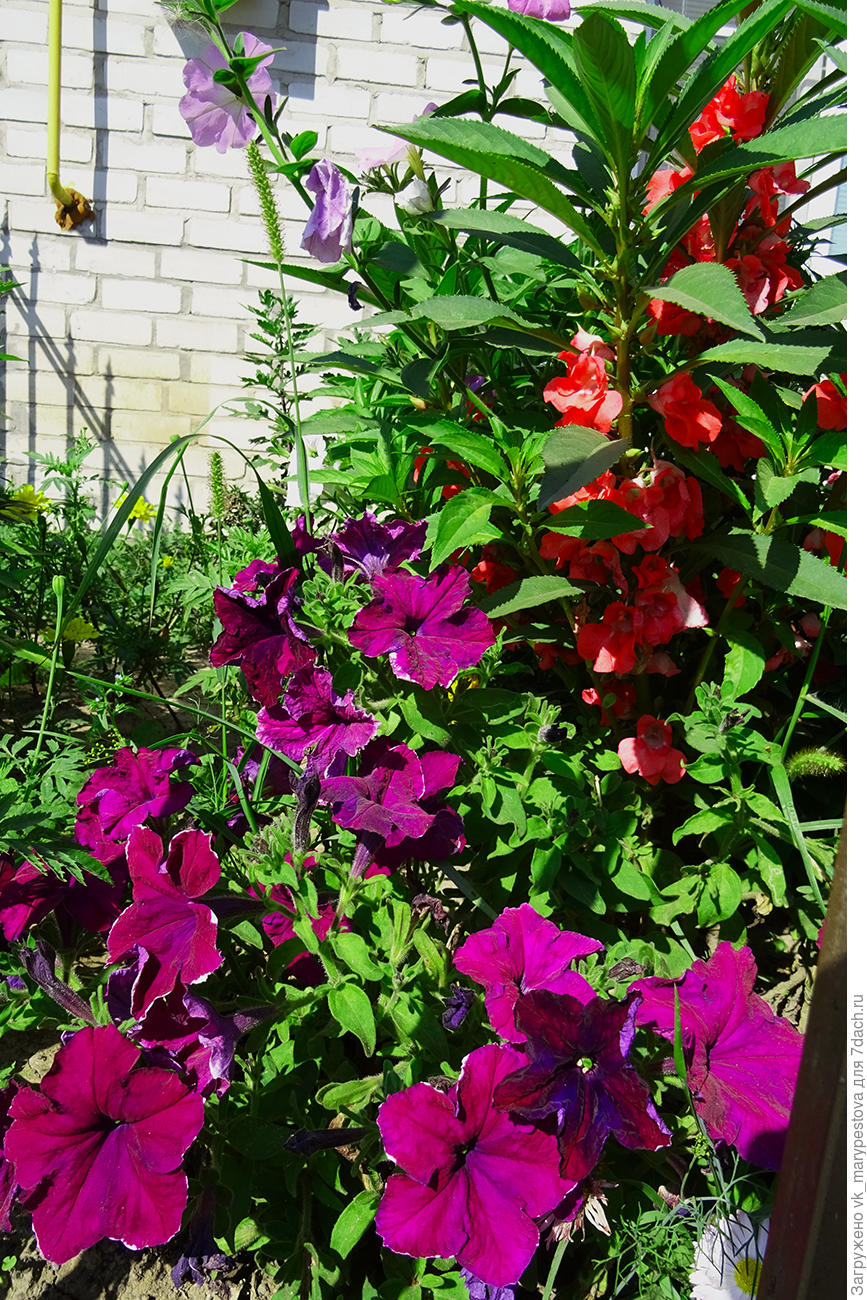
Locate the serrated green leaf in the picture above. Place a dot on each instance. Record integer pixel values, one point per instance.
(354, 1222)
(513, 231)
(573, 458)
(779, 565)
(350, 1006)
(528, 594)
(469, 446)
(710, 289)
(824, 303)
(594, 521)
(606, 67)
(463, 521)
(788, 358)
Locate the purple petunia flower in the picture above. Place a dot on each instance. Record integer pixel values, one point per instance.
(312, 718)
(28, 894)
(256, 575)
(8, 1181)
(172, 937)
(423, 626)
(202, 1254)
(458, 1005)
(372, 548)
(393, 804)
(328, 232)
(742, 1060)
(579, 1072)
(554, 11)
(474, 1178)
(306, 969)
(98, 1148)
(478, 1290)
(260, 634)
(212, 111)
(133, 789)
(519, 953)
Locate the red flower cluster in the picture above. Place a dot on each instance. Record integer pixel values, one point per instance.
(741, 116)
(689, 418)
(582, 395)
(651, 754)
(492, 571)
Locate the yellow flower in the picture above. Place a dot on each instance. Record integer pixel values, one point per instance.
(25, 503)
(78, 629)
(167, 561)
(141, 512)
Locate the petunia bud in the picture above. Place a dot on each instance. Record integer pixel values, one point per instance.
(308, 790)
(39, 964)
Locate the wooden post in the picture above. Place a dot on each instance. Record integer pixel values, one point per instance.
(806, 1254)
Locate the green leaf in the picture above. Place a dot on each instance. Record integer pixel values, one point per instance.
(677, 1040)
(745, 664)
(706, 821)
(824, 303)
(420, 724)
(766, 861)
(788, 358)
(594, 520)
(463, 521)
(350, 1007)
(773, 489)
(778, 564)
(646, 13)
(513, 231)
(813, 138)
(721, 896)
(528, 594)
(706, 466)
(463, 312)
(832, 15)
(710, 289)
(353, 951)
(754, 418)
(469, 446)
(350, 1095)
(606, 66)
(354, 1222)
(573, 458)
(399, 257)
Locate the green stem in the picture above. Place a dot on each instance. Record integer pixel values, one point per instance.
(57, 585)
(555, 1268)
(805, 686)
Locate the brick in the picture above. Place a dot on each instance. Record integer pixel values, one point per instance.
(133, 363)
(66, 287)
(28, 25)
(204, 196)
(303, 56)
(166, 120)
(148, 433)
(20, 105)
(380, 65)
(258, 278)
(120, 186)
(254, 15)
(241, 236)
(225, 370)
(115, 112)
(337, 100)
(229, 303)
(30, 67)
(419, 27)
(29, 142)
(126, 36)
(35, 216)
(447, 75)
(22, 178)
(30, 255)
(121, 225)
(199, 266)
(140, 295)
(148, 77)
(345, 22)
(133, 394)
(83, 29)
(192, 399)
(231, 165)
(105, 258)
(168, 35)
(191, 334)
(149, 156)
(347, 140)
(111, 327)
(391, 110)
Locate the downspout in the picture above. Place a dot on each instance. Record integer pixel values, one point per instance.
(72, 207)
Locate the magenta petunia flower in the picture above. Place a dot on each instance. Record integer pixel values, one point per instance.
(373, 548)
(555, 11)
(313, 720)
(328, 232)
(133, 789)
(212, 111)
(393, 803)
(28, 894)
(98, 1148)
(172, 937)
(306, 969)
(261, 636)
(424, 626)
(8, 1181)
(519, 953)
(474, 1178)
(742, 1060)
(579, 1073)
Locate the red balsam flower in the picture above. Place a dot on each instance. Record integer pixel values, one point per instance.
(650, 753)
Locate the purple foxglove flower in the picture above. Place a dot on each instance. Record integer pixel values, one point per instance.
(555, 11)
(260, 634)
(98, 1148)
(458, 1005)
(136, 787)
(393, 804)
(423, 626)
(474, 1178)
(173, 937)
(312, 718)
(519, 953)
(372, 548)
(28, 894)
(742, 1060)
(328, 232)
(579, 1073)
(212, 111)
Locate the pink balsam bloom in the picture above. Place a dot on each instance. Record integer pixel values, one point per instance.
(172, 937)
(742, 1060)
(212, 111)
(474, 1178)
(424, 625)
(98, 1147)
(328, 232)
(523, 951)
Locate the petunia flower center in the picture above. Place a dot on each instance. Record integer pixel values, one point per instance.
(585, 1064)
(462, 1152)
(747, 1274)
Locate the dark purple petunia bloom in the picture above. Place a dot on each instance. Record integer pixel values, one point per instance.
(306, 969)
(256, 575)
(424, 626)
(312, 718)
(474, 1177)
(478, 1290)
(136, 787)
(458, 1005)
(579, 1073)
(519, 953)
(393, 804)
(742, 1060)
(372, 548)
(8, 1181)
(202, 1254)
(328, 233)
(212, 111)
(28, 894)
(172, 937)
(260, 635)
(98, 1148)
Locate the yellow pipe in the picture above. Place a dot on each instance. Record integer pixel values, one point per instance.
(72, 208)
